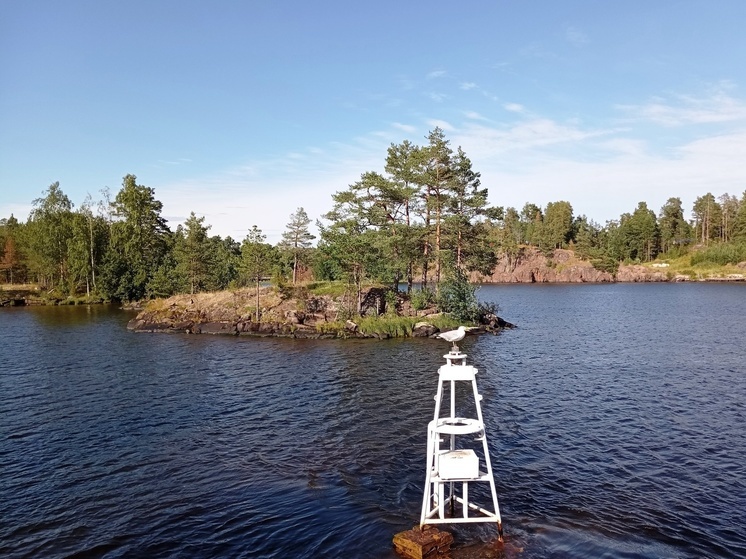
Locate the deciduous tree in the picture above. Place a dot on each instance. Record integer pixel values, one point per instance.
(49, 229)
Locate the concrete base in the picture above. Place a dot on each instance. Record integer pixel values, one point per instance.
(425, 543)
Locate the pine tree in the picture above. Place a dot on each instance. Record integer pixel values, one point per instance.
(297, 238)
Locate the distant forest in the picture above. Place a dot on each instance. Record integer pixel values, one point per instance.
(422, 220)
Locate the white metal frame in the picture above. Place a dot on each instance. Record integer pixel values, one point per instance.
(446, 430)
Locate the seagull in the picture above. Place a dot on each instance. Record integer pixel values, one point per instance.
(453, 336)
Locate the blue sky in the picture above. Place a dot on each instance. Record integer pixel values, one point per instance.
(243, 111)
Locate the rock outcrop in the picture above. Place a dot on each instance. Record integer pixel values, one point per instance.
(530, 265)
(233, 313)
(633, 273)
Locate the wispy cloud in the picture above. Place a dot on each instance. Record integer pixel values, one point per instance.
(681, 110)
(535, 50)
(525, 135)
(472, 115)
(576, 37)
(604, 188)
(603, 170)
(466, 86)
(442, 124)
(408, 128)
(173, 162)
(437, 97)
(436, 74)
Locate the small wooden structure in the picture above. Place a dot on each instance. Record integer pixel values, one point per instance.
(425, 542)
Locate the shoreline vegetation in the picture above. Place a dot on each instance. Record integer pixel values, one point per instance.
(529, 265)
(324, 311)
(423, 221)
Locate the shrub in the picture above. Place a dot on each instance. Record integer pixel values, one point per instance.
(721, 254)
(421, 298)
(458, 298)
(391, 301)
(330, 327)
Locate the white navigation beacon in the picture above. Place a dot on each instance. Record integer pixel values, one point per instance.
(454, 456)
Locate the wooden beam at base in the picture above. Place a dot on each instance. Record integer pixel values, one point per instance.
(425, 543)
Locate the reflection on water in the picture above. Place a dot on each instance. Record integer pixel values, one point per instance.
(615, 417)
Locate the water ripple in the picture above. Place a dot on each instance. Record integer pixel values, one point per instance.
(614, 431)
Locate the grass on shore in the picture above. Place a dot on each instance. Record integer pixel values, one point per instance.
(389, 325)
(696, 269)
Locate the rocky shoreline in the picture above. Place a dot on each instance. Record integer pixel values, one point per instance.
(530, 265)
(232, 313)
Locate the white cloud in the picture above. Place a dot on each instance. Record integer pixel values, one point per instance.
(603, 170)
(522, 136)
(436, 74)
(472, 115)
(687, 109)
(442, 124)
(466, 86)
(409, 129)
(624, 146)
(517, 168)
(265, 192)
(513, 107)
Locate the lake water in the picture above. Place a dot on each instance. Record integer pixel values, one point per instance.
(615, 415)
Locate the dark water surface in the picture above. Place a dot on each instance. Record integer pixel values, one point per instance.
(616, 417)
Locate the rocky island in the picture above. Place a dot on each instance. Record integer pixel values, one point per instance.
(296, 314)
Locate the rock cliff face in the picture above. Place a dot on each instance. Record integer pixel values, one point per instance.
(532, 266)
(634, 273)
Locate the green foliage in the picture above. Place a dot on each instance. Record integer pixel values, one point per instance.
(391, 300)
(140, 240)
(192, 255)
(639, 235)
(720, 254)
(296, 240)
(49, 229)
(426, 214)
(557, 226)
(387, 326)
(421, 298)
(707, 214)
(674, 229)
(606, 263)
(331, 288)
(444, 322)
(165, 280)
(12, 261)
(739, 222)
(258, 259)
(334, 327)
(458, 298)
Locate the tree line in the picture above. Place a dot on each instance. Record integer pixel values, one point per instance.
(425, 219)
